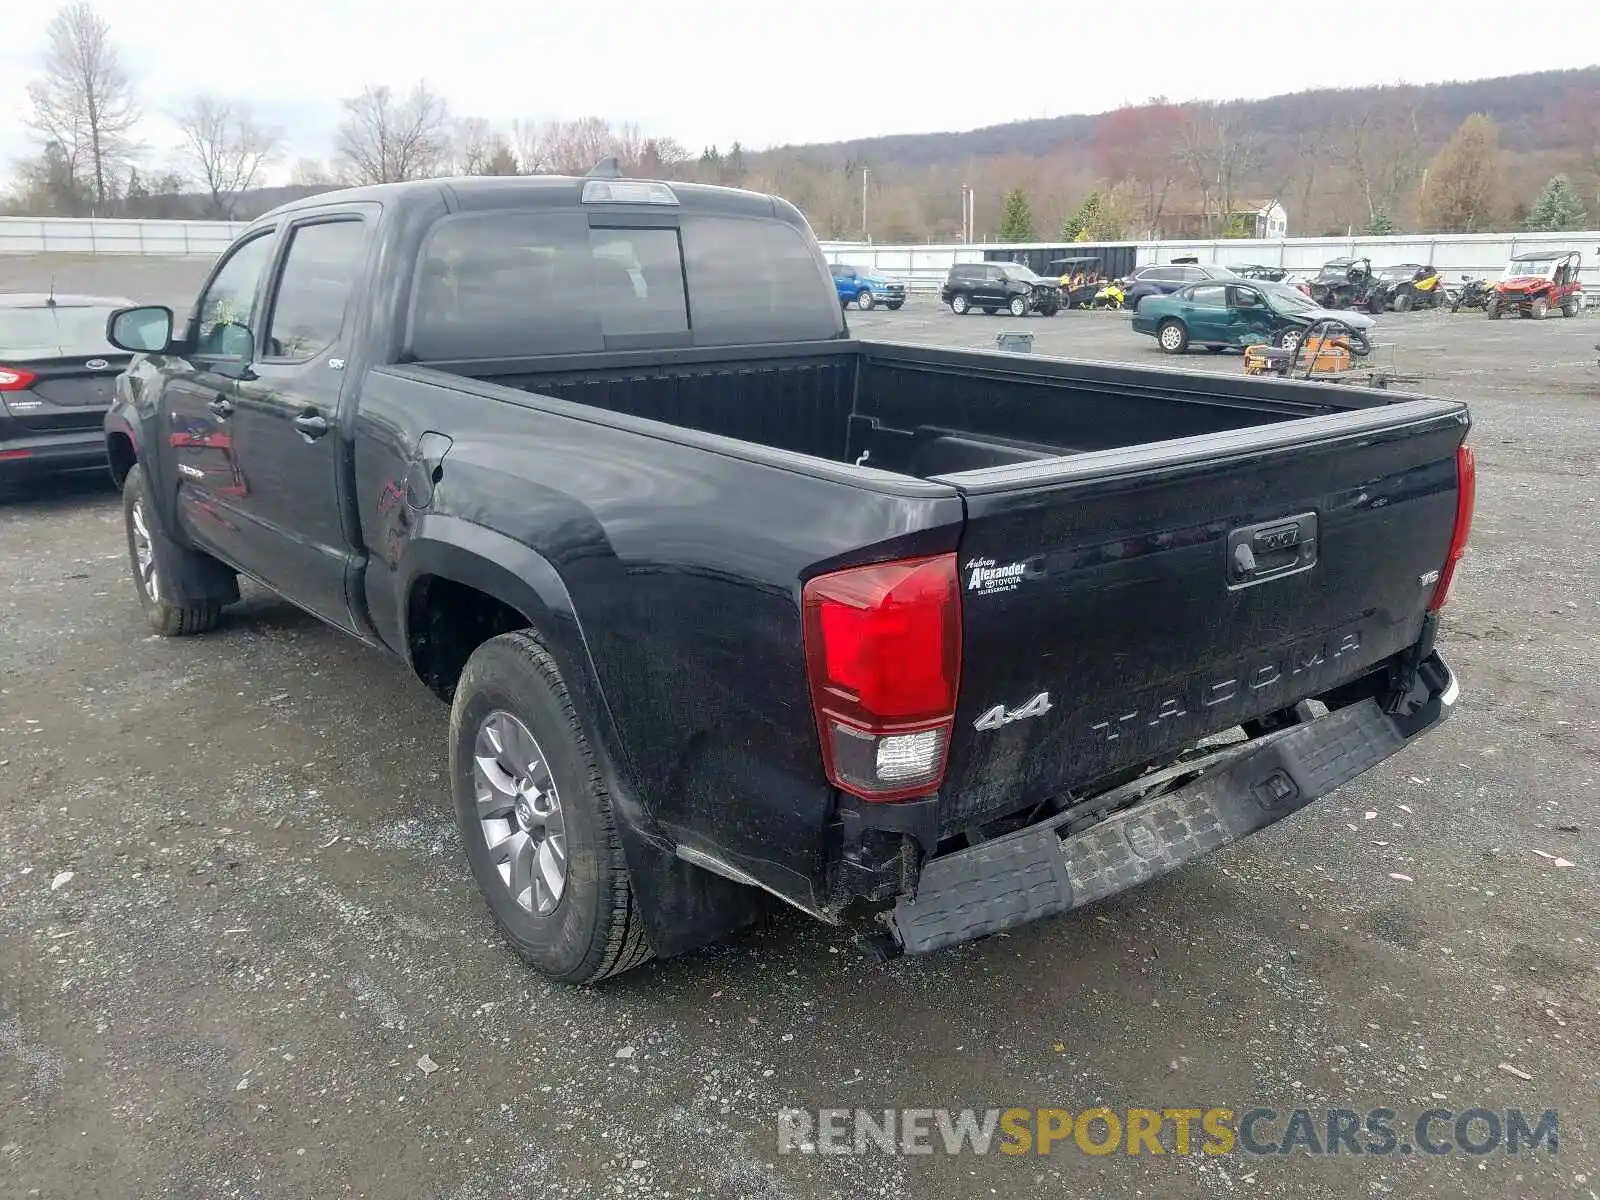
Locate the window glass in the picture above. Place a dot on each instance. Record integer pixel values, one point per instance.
(1209, 296)
(318, 273)
(755, 281)
(227, 310)
(1162, 274)
(637, 281)
(47, 332)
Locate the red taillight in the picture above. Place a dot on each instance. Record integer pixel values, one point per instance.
(1466, 497)
(883, 655)
(15, 379)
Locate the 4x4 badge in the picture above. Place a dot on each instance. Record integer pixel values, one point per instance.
(1000, 716)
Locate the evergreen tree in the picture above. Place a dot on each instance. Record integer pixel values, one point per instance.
(1077, 227)
(1016, 217)
(1382, 224)
(1558, 208)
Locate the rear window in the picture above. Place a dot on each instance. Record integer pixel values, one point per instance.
(510, 284)
(62, 331)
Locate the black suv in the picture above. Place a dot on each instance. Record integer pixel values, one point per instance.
(993, 286)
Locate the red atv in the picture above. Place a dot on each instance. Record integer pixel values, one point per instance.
(1536, 282)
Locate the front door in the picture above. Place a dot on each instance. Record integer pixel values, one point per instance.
(200, 398)
(1249, 318)
(287, 415)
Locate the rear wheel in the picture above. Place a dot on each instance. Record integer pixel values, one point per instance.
(865, 299)
(165, 617)
(1172, 337)
(536, 818)
(960, 305)
(1569, 307)
(1539, 309)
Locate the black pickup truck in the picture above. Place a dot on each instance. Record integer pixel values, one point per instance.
(927, 643)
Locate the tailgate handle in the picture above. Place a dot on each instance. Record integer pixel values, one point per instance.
(1271, 549)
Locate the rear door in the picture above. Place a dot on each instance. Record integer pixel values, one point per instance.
(285, 419)
(1110, 616)
(1207, 313)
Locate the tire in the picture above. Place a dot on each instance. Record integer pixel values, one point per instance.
(894, 305)
(1288, 339)
(960, 305)
(1404, 302)
(1569, 307)
(1172, 336)
(168, 620)
(865, 300)
(1455, 306)
(1492, 309)
(512, 712)
(1539, 309)
(1018, 306)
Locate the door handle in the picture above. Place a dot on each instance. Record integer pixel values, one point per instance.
(311, 424)
(222, 407)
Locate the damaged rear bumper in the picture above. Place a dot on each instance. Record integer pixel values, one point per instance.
(1036, 872)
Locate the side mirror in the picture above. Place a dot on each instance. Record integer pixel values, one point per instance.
(143, 330)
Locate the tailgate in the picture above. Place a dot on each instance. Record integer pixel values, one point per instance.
(1120, 605)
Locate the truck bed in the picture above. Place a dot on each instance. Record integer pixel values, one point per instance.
(916, 410)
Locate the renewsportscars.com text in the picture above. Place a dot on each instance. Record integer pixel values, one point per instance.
(1179, 1131)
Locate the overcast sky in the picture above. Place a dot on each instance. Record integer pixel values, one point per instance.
(710, 71)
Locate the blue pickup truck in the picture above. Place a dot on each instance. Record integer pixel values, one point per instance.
(866, 288)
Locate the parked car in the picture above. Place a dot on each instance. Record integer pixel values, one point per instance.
(994, 286)
(1534, 283)
(1218, 315)
(867, 288)
(56, 376)
(727, 603)
(1164, 280)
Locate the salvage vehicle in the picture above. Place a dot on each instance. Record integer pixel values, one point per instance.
(1473, 293)
(56, 374)
(1534, 283)
(725, 603)
(867, 288)
(1406, 286)
(992, 286)
(1342, 283)
(1221, 315)
(1257, 271)
(1079, 279)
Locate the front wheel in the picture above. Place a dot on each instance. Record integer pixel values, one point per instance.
(1172, 336)
(960, 305)
(166, 618)
(1539, 309)
(1402, 303)
(1289, 340)
(536, 819)
(1018, 306)
(1492, 310)
(865, 300)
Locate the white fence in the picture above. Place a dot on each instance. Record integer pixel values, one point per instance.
(67, 235)
(924, 267)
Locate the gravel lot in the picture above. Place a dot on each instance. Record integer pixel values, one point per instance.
(269, 921)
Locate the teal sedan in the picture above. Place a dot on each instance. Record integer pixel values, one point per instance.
(1218, 314)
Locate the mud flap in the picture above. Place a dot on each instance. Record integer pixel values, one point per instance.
(1035, 872)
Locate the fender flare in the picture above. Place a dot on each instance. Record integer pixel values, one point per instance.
(683, 905)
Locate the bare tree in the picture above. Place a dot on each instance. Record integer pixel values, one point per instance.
(1466, 184)
(472, 143)
(84, 103)
(226, 146)
(311, 172)
(1382, 151)
(385, 138)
